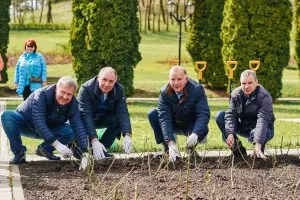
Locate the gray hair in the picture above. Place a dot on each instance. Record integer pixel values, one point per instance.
(67, 81)
(247, 73)
(108, 69)
(177, 68)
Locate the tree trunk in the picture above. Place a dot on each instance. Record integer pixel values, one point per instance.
(149, 15)
(42, 9)
(146, 10)
(32, 11)
(49, 13)
(161, 5)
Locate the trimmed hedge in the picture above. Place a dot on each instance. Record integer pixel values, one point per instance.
(258, 30)
(205, 42)
(4, 36)
(297, 31)
(105, 33)
(34, 26)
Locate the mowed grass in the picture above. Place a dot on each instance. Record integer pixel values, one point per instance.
(286, 133)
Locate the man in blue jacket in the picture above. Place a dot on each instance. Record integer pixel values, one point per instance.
(250, 114)
(102, 103)
(182, 108)
(44, 115)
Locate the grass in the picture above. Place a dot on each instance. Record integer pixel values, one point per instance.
(143, 138)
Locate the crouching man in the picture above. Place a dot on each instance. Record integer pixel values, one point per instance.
(102, 103)
(183, 109)
(250, 115)
(44, 115)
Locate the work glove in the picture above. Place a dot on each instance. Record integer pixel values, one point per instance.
(84, 161)
(173, 151)
(192, 140)
(98, 149)
(258, 152)
(63, 150)
(127, 145)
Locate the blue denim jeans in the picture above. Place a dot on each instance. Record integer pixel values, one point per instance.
(220, 120)
(154, 122)
(113, 130)
(15, 126)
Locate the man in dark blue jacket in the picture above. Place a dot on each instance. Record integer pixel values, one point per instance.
(182, 108)
(44, 115)
(102, 103)
(250, 114)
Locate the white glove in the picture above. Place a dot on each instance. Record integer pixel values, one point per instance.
(127, 146)
(84, 161)
(173, 151)
(98, 149)
(258, 152)
(192, 140)
(63, 150)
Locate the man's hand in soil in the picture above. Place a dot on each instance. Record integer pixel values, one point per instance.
(84, 161)
(63, 150)
(173, 151)
(127, 144)
(230, 140)
(98, 149)
(258, 152)
(192, 140)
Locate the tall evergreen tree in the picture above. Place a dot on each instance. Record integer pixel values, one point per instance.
(4, 35)
(297, 31)
(205, 42)
(258, 30)
(105, 33)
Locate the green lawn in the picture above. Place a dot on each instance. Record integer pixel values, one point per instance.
(144, 140)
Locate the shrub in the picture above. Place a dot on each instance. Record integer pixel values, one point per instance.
(258, 30)
(4, 35)
(34, 26)
(205, 42)
(105, 33)
(297, 31)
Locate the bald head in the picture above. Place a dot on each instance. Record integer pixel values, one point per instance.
(177, 78)
(177, 69)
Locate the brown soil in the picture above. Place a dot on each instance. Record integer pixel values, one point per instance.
(153, 178)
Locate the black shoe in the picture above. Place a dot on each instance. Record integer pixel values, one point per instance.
(108, 155)
(193, 153)
(40, 151)
(238, 149)
(18, 159)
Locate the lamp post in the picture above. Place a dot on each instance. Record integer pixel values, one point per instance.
(171, 7)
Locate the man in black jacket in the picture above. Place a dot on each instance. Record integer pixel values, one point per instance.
(102, 103)
(250, 115)
(44, 115)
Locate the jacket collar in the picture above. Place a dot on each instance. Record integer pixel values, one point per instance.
(171, 92)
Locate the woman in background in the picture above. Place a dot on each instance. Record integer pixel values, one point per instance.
(31, 70)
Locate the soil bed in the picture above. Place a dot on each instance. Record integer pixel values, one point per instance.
(154, 178)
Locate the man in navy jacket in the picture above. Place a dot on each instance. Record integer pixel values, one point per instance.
(182, 108)
(44, 115)
(102, 103)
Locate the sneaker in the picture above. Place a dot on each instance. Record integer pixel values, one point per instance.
(18, 159)
(239, 150)
(193, 153)
(108, 155)
(40, 151)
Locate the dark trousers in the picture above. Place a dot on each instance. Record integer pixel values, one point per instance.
(26, 92)
(113, 129)
(220, 120)
(154, 122)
